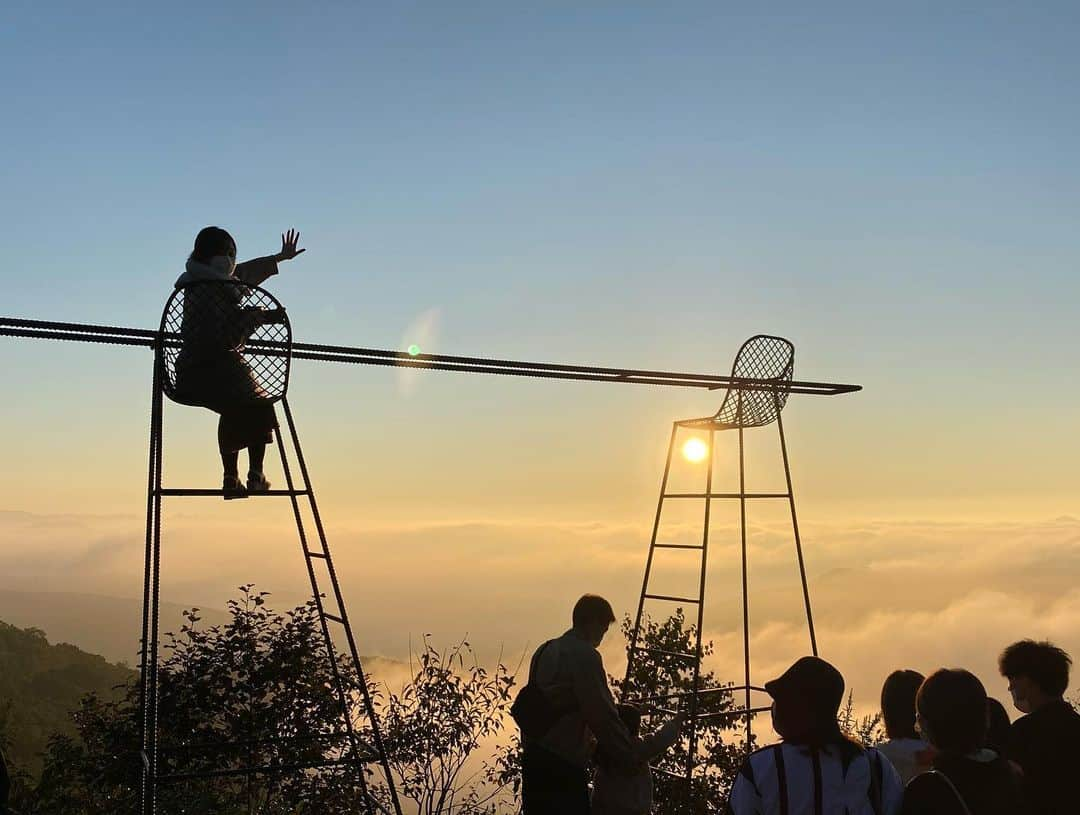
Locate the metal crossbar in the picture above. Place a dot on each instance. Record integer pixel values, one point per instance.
(118, 335)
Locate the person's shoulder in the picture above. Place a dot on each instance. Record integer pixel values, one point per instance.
(1055, 718)
(1024, 725)
(570, 643)
(763, 756)
(757, 763)
(876, 754)
(926, 788)
(1071, 716)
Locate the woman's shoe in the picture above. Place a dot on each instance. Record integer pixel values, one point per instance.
(257, 482)
(232, 488)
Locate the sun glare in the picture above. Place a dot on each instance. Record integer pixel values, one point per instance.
(695, 450)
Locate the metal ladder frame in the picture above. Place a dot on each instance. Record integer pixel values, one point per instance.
(634, 650)
(359, 754)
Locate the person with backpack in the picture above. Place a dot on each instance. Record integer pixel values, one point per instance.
(966, 778)
(815, 769)
(565, 711)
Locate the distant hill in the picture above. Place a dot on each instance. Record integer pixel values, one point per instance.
(110, 626)
(40, 684)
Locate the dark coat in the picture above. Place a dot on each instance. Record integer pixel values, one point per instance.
(211, 371)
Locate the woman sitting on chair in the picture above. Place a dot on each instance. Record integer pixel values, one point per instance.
(210, 369)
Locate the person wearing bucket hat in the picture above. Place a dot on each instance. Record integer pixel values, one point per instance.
(806, 699)
(815, 769)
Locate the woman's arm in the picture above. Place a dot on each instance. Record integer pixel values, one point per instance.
(254, 272)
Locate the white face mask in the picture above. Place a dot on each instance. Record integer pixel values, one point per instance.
(223, 263)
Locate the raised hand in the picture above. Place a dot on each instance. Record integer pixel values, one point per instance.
(288, 245)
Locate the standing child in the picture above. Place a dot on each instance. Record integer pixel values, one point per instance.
(617, 791)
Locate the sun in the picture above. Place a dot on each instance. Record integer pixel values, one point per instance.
(695, 450)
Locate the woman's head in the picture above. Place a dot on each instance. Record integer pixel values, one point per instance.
(952, 711)
(898, 703)
(215, 247)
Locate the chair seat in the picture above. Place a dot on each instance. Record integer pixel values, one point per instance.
(707, 423)
(769, 362)
(226, 346)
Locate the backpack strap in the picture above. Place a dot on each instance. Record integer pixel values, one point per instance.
(781, 778)
(964, 808)
(536, 658)
(876, 772)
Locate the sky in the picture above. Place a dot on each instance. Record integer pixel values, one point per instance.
(894, 189)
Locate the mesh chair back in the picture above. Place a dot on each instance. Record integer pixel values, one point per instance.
(760, 357)
(227, 346)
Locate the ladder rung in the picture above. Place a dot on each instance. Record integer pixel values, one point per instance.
(672, 599)
(264, 769)
(662, 652)
(725, 495)
(735, 713)
(333, 617)
(242, 744)
(677, 546)
(670, 774)
(323, 555)
(180, 491)
(681, 695)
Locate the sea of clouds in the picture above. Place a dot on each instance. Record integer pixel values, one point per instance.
(886, 594)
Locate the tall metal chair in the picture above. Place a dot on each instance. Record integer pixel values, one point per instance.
(763, 371)
(225, 342)
(228, 343)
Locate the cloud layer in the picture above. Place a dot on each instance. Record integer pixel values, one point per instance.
(885, 594)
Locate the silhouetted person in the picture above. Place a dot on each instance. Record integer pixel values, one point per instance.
(905, 749)
(816, 768)
(215, 375)
(998, 727)
(619, 792)
(967, 778)
(570, 671)
(1046, 741)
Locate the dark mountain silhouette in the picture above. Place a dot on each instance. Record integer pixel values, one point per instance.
(40, 684)
(109, 626)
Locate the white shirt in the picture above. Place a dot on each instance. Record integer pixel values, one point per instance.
(909, 756)
(632, 793)
(790, 779)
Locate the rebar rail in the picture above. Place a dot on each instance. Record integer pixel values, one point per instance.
(119, 335)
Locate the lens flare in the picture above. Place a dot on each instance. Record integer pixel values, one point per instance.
(695, 450)
(413, 350)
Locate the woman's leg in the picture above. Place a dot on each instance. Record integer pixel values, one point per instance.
(256, 454)
(230, 458)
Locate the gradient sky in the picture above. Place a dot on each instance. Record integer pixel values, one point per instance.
(895, 189)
